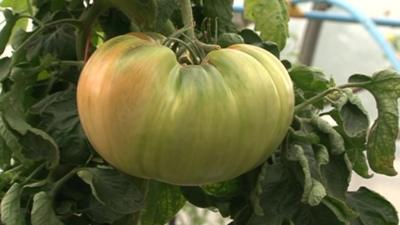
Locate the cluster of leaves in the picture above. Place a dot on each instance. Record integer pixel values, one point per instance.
(52, 176)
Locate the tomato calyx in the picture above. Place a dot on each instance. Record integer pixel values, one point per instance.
(188, 50)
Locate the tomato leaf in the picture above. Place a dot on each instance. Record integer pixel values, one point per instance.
(278, 195)
(163, 201)
(148, 15)
(59, 118)
(336, 175)
(101, 213)
(9, 144)
(343, 212)
(113, 23)
(321, 214)
(16, 5)
(372, 207)
(222, 12)
(385, 87)
(353, 122)
(5, 67)
(198, 197)
(314, 191)
(251, 37)
(112, 189)
(335, 140)
(308, 82)
(59, 42)
(36, 144)
(11, 212)
(351, 114)
(6, 31)
(271, 18)
(165, 8)
(42, 210)
(224, 189)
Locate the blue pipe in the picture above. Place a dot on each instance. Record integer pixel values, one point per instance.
(369, 25)
(318, 15)
(357, 15)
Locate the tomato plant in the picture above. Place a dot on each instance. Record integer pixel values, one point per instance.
(121, 111)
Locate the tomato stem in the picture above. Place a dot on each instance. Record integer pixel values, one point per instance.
(87, 19)
(187, 17)
(188, 21)
(321, 95)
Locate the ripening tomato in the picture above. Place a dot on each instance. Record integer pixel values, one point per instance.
(151, 117)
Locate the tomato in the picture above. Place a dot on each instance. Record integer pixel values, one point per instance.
(151, 117)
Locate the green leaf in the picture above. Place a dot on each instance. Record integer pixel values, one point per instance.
(372, 207)
(164, 8)
(342, 211)
(5, 67)
(198, 197)
(385, 87)
(314, 191)
(311, 81)
(113, 189)
(352, 114)
(321, 154)
(6, 31)
(271, 18)
(11, 211)
(38, 145)
(42, 210)
(59, 42)
(251, 37)
(59, 118)
(305, 136)
(142, 12)
(163, 201)
(278, 195)
(16, 5)
(100, 213)
(113, 23)
(335, 140)
(9, 144)
(318, 215)
(336, 175)
(224, 189)
(228, 39)
(222, 12)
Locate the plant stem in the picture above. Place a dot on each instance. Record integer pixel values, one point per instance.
(37, 170)
(36, 20)
(87, 19)
(321, 95)
(68, 63)
(187, 17)
(314, 99)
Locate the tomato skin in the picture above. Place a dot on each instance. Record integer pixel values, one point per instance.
(151, 117)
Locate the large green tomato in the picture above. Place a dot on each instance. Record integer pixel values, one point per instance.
(151, 117)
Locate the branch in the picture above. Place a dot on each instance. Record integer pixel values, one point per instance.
(321, 95)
